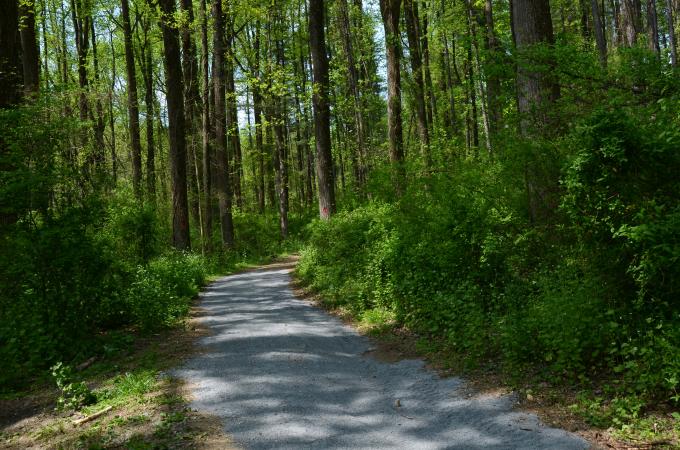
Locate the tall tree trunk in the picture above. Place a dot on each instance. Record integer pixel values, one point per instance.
(430, 97)
(279, 123)
(322, 113)
(631, 21)
(535, 87)
(671, 33)
(257, 112)
(176, 128)
(112, 87)
(192, 108)
(147, 73)
(98, 155)
(30, 55)
(653, 28)
(353, 79)
(390, 11)
(133, 104)
(493, 82)
(81, 26)
(222, 183)
(600, 40)
(233, 133)
(205, 132)
(411, 19)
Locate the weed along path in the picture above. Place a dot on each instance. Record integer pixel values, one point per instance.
(283, 374)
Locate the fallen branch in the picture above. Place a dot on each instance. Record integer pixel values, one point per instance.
(92, 416)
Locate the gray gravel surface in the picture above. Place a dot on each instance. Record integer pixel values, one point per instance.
(283, 374)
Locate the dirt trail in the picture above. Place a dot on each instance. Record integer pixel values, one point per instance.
(283, 374)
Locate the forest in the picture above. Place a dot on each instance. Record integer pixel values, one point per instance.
(499, 177)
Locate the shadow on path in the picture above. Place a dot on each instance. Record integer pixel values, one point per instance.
(283, 374)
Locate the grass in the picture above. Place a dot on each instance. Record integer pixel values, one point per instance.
(148, 408)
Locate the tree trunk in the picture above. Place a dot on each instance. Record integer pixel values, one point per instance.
(133, 104)
(430, 97)
(222, 184)
(176, 129)
(411, 19)
(205, 132)
(536, 89)
(599, 33)
(281, 158)
(98, 155)
(493, 82)
(671, 33)
(390, 10)
(30, 54)
(192, 108)
(147, 73)
(353, 79)
(322, 130)
(653, 28)
(631, 21)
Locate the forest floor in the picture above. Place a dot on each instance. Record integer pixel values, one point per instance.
(143, 406)
(259, 356)
(283, 373)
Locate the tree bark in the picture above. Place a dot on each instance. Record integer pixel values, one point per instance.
(176, 128)
(599, 33)
(133, 103)
(536, 89)
(353, 79)
(411, 19)
(322, 130)
(147, 74)
(631, 21)
(222, 184)
(205, 132)
(390, 11)
(653, 28)
(30, 55)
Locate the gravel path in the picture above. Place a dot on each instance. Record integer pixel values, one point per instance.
(283, 374)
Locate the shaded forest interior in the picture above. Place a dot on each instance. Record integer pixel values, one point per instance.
(500, 176)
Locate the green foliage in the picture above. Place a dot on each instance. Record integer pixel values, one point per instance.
(575, 280)
(73, 395)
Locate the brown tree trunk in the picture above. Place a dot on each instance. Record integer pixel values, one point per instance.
(205, 132)
(133, 104)
(390, 11)
(98, 155)
(430, 97)
(192, 108)
(147, 74)
(257, 112)
(281, 158)
(536, 89)
(81, 26)
(599, 33)
(233, 133)
(353, 79)
(176, 129)
(411, 19)
(30, 55)
(322, 130)
(222, 184)
(631, 21)
(653, 28)
(493, 83)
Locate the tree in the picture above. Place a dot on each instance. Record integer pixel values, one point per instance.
(222, 184)
(322, 129)
(30, 54)
(390, 11)
(133, 103)
(412, 20)
(11, 79)
(532, 25)
(176, 126)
